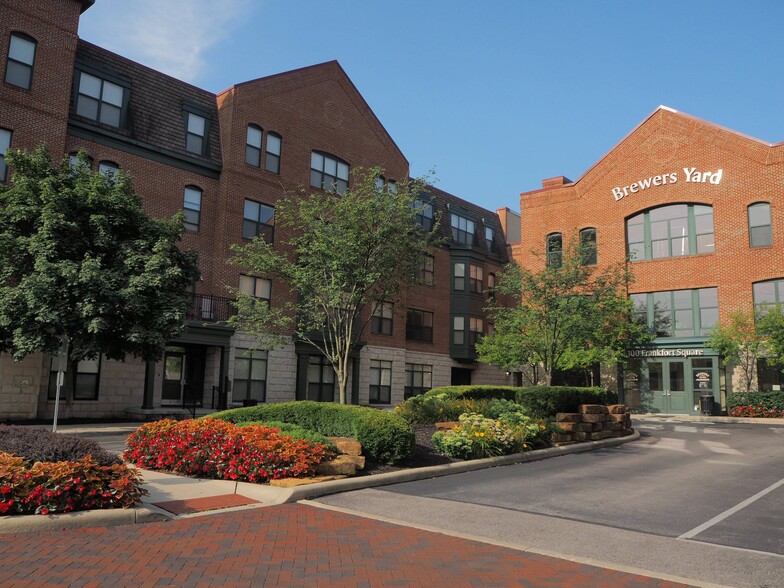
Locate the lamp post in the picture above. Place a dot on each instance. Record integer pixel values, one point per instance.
(62, 368)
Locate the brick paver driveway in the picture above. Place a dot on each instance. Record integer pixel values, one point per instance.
(287, 545)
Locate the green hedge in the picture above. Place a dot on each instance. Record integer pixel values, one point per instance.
(539, 402)
(297, 432)
(756, 404)
(385, 437)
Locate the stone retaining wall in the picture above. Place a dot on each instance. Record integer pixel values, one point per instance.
(593, 423)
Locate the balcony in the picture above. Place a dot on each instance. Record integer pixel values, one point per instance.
(211, 309)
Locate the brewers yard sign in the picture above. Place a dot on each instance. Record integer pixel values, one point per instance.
(690, 174)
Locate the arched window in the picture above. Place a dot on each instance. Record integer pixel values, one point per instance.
(674, 230)
(554, 250)
(760, 229)
(588, 252)
(253, 145)
(21, 57)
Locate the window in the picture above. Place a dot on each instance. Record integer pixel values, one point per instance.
(253, 146)
(21, 55)
(196, 131)
(670, 231)
(100, 100)
(380, 382)
(768, 293)
(84, 379)
(554, 250)
(192, 208)
(424, 214)
(462, 229)
(769, 377)
(250, 376)
(258, 219)
(381, 321)
(490, 238)
(272, 159)
(760, 229)
(588, 246)
(678, 313)
(380, 182)
(321, 379)
(392, 186)
(419, 379)
(426, 273)
(458, 330)
(459, 279)
(256, 287)
(108, 169)
(476, 279)
(491, 286)
(328, 173)
(476, 329)
(5, 144)
(419, 325)
(88, 162)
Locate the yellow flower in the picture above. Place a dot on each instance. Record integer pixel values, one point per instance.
(481, 434)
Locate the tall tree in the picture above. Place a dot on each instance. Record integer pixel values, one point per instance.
(342, 255)
(567, 315)
(80, 259)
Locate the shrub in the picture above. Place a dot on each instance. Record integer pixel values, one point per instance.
(756, 404)
(477, 436)
(544, 402)
(297, 432)
(428, 409)
(65, 486)
(212, 448)
(385, 436)
(35, 444)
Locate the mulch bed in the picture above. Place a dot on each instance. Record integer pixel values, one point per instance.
(424, 455)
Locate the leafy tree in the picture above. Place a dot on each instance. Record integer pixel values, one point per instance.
(565, 316)
(80, 259)
(343, 254)
(748, 336)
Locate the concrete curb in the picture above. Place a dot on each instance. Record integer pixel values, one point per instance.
(718, 420)
(74, 520)
(348, 484)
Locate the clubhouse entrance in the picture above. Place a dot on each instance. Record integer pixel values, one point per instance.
(670, 381)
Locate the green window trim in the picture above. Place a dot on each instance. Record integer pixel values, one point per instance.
(678, 313)
(674, 230)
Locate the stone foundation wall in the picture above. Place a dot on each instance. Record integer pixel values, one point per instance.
(593, 422)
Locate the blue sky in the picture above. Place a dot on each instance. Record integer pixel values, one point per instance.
(493, 95)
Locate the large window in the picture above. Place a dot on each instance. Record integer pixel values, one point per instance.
(253, 145)
(458, 330)
(462, 229)
(328, 173)
(272, 158)
(21, 56)
(768, 294)
(84, 380)
(256, 287)
(419, 379)
(426, 273)
(424, 213)
(459, 277)
(588, 246)
(476, 279)
(769, 377)
(5, 143)
(678, 313)
(760, 229)
(554, 250)
(192, 208)
(419, 325)
(250, 376)
(380, 382)
(670, 231)
(258, 219)
(381, 321)
(321, 379)
(195, 133)
(100, 100)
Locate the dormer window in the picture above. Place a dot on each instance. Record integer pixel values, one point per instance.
(196, 133)
(100, 100)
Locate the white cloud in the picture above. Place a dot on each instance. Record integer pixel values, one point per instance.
(171, 36)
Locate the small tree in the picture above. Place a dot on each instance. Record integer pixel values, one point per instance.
(567, 315)
(80, 259)
(343, 254)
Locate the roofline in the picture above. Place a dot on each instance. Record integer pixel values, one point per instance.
(645, 120)
(451, 196)
(86, 4)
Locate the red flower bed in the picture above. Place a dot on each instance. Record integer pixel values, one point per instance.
(211, 448)
(758, 411)
(65, 486)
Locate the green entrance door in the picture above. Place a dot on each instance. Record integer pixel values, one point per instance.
(669, 388)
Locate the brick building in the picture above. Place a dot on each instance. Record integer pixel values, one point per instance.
(697, 211)
(225, 160)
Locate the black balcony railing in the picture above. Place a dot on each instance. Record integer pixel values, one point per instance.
(211, 309)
